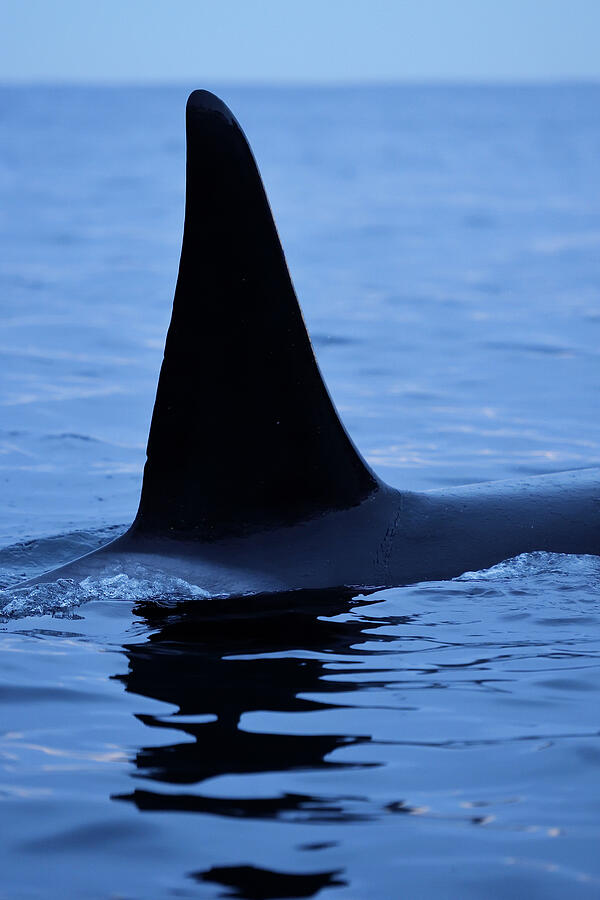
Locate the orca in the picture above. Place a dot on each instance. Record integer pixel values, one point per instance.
(252, 484)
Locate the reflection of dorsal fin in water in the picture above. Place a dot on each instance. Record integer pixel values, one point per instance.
(244, 434)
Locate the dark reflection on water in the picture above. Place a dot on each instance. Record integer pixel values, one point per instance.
(189, 661)
(261, 884)
(306, 742)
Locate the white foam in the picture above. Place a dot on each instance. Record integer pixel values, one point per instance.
(65, 595)
(538, 564)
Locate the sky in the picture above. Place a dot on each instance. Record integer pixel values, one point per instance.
(299, 40)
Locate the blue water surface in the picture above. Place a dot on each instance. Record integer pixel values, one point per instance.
(440, 739)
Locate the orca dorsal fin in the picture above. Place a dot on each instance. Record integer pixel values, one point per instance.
(244, 435)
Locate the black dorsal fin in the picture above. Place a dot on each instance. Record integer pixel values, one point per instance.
(244, 435)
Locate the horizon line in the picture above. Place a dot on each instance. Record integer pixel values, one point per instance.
(435, 81)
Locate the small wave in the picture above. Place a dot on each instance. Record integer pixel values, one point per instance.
(538, 564)
(63, 596)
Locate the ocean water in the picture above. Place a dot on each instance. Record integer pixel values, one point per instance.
(441, 739)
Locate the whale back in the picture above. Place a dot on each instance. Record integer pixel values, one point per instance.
(244, 435)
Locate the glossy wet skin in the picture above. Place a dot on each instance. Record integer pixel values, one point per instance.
(390, 539)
